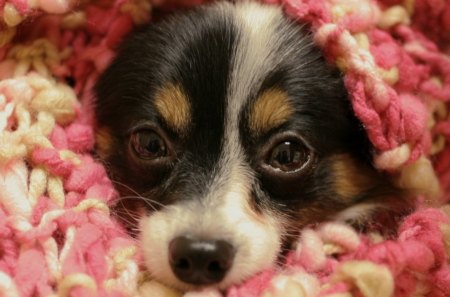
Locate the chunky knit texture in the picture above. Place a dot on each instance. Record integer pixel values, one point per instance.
(57, 237)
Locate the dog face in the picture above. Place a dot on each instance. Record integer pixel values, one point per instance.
(232, 132)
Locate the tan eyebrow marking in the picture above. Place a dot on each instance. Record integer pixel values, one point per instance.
(271, 109)
(174, 106)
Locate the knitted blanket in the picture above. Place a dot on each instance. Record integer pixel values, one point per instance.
(57, 236)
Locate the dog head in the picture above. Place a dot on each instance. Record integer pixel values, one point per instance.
(232, 132)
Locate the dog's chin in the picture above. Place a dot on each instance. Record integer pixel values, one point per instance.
(257, 240)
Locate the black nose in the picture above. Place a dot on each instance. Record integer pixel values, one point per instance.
(200, 262)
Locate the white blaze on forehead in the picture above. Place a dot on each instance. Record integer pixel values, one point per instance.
(254, 58)
(255, 53)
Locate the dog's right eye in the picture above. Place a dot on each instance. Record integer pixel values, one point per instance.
(149, 145)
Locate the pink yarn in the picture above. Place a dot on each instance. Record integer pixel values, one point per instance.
(56, 232)
(51, 160)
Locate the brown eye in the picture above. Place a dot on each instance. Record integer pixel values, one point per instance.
(147, 144)
(289, 156)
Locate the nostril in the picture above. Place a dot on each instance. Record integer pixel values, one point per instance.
(183, 264)
(215, 267)
(200, 261)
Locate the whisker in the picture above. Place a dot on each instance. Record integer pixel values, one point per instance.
(129, 214)
(138, 196)
(125, 186)
(149, 202)
(129, 223)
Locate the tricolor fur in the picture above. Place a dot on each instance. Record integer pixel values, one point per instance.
(222, 86)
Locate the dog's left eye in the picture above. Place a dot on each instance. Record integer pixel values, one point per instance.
(289, 156)
(147, 144)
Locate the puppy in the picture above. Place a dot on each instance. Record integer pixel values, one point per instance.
(231, 132)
